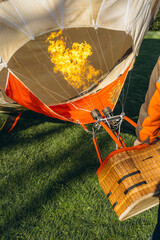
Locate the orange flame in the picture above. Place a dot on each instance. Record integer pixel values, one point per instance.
(72, 63)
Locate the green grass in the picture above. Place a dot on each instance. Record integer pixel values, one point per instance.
(152, 35)
(49, 187)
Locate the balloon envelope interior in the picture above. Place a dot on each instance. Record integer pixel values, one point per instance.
(33, 66)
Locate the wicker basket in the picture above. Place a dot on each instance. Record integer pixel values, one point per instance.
(130, 178)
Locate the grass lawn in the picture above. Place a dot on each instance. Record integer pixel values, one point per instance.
(49, 187)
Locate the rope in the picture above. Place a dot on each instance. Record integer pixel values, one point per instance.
(62, 14)
(15, 25)
(91, 9)
(55, 19)
(18, 12)
(99, 13)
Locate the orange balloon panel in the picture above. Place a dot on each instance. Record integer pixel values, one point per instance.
(79, 110)
(17, 91)
(76, 111)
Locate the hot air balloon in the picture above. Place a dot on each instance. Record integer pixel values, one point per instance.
(68, 59)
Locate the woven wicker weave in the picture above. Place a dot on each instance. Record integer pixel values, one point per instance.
(131, 179)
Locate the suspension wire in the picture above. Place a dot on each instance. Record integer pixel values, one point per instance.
(65, 118)
(50, 71)
(62, 20)
(45, 89)
(129, 81)
(103, 58)
(122, 100)
(111, 46)
(101, 50)
(27, 78)
(53, 16)
(124, 94)
(127, 14)
(119, 132)
(49, 90)
(19, 14)
(15, 25)
(124, 67)
(91, 10)
(138, 17)
(71, 84)
(99, 13)
(98, 55)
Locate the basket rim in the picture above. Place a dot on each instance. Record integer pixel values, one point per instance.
(124, 149)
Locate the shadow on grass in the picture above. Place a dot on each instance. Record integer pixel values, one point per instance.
(13, 140)
(29, 120)
(85, 162)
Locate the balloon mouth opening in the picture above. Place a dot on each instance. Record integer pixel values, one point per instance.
(82, 65)
(74, 63)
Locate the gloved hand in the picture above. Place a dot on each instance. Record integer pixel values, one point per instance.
(137, 142)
